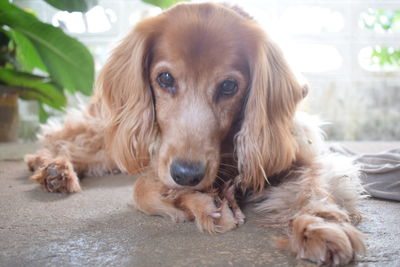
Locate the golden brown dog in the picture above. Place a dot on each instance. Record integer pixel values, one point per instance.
(201, 103)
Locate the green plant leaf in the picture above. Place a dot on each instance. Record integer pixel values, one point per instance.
(27, 55)
(163, 3)
(68, 62)
(32, 87)
(73, 5)
(43, 115)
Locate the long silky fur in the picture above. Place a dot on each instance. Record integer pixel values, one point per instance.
(335, 174)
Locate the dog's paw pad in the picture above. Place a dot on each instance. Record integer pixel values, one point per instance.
(56, 180)
(57, 176)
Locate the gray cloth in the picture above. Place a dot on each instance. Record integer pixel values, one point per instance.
(380, 172)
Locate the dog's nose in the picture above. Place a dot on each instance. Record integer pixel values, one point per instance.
(187, 173)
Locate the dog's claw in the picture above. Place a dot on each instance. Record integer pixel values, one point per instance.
(216, 215)
(322, 258)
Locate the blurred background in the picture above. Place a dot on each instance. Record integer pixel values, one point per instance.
(347, 50)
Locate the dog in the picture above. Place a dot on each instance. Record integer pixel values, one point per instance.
(200, 102)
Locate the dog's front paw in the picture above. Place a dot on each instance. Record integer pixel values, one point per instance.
(229, 219)
(209, 217)
(57, 176)
(325, 242)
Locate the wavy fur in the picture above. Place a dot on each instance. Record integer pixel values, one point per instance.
(226, 120)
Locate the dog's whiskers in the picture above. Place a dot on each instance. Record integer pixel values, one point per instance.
(225, 172)
(220, 179)
(227, 165)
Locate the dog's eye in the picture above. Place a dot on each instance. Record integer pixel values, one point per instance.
(166, 80)
(228, 88)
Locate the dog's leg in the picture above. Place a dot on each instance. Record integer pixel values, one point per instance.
(152, 197)
(77, 148)
(319, 229)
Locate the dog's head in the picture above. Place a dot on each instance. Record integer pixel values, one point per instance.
(184, 85)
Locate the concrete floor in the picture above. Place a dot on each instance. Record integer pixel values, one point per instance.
(98, 227)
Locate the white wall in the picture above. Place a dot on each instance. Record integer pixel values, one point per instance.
(321, 38)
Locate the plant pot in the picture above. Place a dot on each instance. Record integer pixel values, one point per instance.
(9, 118)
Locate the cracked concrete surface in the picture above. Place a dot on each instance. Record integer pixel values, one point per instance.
(97, 227)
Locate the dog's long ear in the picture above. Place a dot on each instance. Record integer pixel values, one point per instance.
(265, 144)
(126, 93)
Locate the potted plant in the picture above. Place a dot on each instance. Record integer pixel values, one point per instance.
(39, 62)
